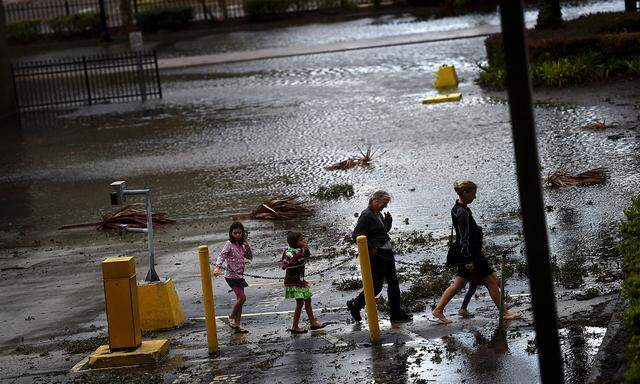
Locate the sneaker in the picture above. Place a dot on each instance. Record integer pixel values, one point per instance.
(401, 317)
(355, 311)
(464, 313)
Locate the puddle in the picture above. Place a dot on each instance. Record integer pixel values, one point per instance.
(474, 358)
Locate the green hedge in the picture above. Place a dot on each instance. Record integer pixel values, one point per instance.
(540, 50)
(80, 24)
(171, 18)
(590, 48)
(23, 31)
(630, 249)
(567, 71)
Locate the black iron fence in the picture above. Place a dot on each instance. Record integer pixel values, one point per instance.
(86, 80)
(42, 11)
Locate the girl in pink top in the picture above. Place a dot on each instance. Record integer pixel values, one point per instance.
(234, 252)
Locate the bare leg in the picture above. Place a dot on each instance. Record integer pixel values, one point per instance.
(237, 308)
(307, 307)
(494, 291)
(448, 294)
(296, 315)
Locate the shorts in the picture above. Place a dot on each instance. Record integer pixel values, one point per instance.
(237, 285)
(481, 269)
(297, 292)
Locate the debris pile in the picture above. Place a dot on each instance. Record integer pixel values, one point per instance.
(280, 207)
(129, 215)
(563, 179)
(363, 160)
(597, 125)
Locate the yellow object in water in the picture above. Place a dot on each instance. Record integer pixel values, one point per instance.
(442, 98)
(446, 77)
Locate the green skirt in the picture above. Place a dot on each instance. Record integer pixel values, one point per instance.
(296, 292)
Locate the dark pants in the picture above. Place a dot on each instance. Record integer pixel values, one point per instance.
(383, 267)
(470, 292)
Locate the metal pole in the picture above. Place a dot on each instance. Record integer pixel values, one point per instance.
(141, 80)
(151, 275)
(86, 79)
(208, 299)
(527, 165)
(155, 59)
(367, 286)
(104, 29)
(502, 291)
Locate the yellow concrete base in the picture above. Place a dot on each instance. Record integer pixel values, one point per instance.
(159, 305)
(442, 98)
(149, 352)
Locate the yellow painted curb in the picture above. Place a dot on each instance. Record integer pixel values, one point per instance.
(160, 306)
(149, 352)
(442, 98)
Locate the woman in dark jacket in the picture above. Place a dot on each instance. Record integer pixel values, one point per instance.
(469, 242)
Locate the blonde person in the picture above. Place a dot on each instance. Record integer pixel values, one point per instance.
(468, 241)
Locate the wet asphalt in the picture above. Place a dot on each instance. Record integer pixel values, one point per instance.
(226, 137)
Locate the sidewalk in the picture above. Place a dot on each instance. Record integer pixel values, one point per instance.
(379, 42)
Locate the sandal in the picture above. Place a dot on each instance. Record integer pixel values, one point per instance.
(322, 325)
(297, 331)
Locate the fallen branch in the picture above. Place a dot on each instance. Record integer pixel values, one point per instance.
(561, 179)
(132, 217)
(363, 160)
(599, 125)
(280, 207)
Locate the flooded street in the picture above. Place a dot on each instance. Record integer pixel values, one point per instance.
(226, 137)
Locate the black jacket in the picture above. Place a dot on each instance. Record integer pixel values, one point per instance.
(468, 232)
(374, 226)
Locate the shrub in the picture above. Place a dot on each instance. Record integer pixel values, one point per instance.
(334, 191)
(23, 31)
(566, 71)
(491, 77)
(630, 249)
(85, 24)
(266, 9)
(171, 18)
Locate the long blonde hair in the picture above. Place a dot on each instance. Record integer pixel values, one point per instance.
(461, 186)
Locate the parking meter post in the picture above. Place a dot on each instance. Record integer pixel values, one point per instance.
(208, 299)
(367, 285)
(151, 275)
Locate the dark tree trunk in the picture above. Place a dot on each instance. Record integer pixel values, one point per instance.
(550, 14)
(630, 6)
(7, 96)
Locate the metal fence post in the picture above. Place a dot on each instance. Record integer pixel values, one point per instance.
(533, 218)
(155, 59)
(86, 79)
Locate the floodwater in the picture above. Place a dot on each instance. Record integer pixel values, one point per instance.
(226, 137)
(403, 23)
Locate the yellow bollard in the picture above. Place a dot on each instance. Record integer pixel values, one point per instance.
(121, 301)
(208, 301)
(367, 285)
